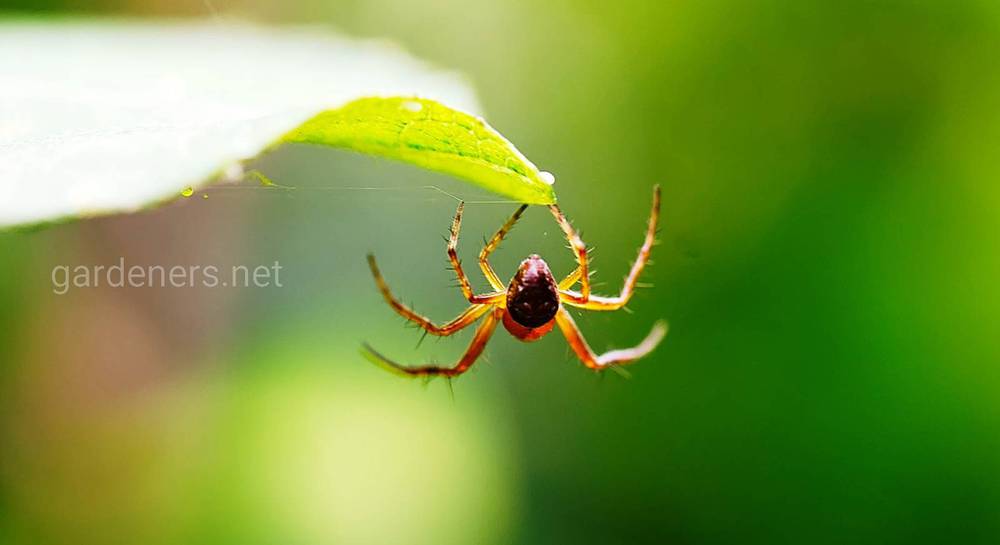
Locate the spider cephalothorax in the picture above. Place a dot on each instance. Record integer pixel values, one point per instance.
(531, 304)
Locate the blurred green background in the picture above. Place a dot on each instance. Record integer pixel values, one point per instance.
(829, 269)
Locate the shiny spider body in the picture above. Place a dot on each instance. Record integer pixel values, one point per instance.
(531, 305)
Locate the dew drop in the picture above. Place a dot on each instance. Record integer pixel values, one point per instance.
(187, 192)
(547, 177)
(413, 106)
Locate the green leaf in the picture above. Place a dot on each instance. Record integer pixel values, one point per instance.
(115, 116)
(431, 135)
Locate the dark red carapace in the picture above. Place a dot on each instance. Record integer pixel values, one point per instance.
(531, 304)
(532, 300)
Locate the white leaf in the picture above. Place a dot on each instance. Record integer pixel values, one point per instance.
(99, 117)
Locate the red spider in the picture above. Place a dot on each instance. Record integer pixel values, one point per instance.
(530, 305)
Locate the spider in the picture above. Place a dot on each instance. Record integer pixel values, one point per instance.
(532, 303)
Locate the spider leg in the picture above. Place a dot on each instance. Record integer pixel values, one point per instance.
(479, 340)
(597, 302)
(466, 318)
(613, 357)
(580, 251)
(484, 264)
(571, 278)
(456, 264)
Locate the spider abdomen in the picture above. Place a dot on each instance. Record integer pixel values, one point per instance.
(532, 299)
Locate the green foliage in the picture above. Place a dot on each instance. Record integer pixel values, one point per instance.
(431, 135)
(97, 132)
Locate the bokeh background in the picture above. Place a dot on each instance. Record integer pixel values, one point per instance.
(829, 266)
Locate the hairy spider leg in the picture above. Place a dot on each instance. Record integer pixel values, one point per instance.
(484, 264)
(479, 340)
(598, 302)
(580, 251)
(571, 278)
(613, 357)
(456, 264)
(465, 319)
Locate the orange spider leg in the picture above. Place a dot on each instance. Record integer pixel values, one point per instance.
(597, 302)
(580, 250)
(613, 357)
(571, 278)
(475, 349)
(456, 264)
(484, 264)
(466, 318)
